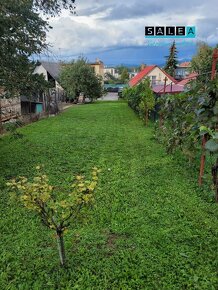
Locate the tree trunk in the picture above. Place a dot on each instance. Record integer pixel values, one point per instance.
(215, 179)
(1, 126)
(61, 249)
(203, 157)
(160, 120)
(146, 117)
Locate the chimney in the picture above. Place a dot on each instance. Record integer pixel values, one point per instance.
(142, 66)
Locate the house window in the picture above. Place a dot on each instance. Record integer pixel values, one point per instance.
(153, 80)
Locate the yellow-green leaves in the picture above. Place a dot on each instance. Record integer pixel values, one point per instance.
(55, 206)
(83, 189)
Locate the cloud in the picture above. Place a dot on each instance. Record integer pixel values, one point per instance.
(208, 30)
(133, 9)
(80, 36)
(111, 25)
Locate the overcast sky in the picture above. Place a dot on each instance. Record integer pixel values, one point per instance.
(114, 30)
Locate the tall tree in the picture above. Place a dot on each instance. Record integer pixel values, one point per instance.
(23, 33)
(54, 7)
(124, 75)
(171, 62)
(78, 77)
(201, 63)
(120, 68)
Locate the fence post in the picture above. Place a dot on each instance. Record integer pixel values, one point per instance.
(161, 115)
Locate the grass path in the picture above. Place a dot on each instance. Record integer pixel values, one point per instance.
(150, 229)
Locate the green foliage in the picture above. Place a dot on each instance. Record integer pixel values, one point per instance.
(110, 78)
(58, 208)
(179, 129)
(78, 77)
(23, 33)
(120, 68)
(123, 72)
(207, 113)
(187, 117)
(54, 7)
(151, 227)
(147, 100)
(171, 62)
(12, 127)
(124, 76)
(132, 97)
(140, 98)
(212, 144)
(202, 61)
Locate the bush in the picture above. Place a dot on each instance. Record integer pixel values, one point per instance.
(141, 99)
(12, 126)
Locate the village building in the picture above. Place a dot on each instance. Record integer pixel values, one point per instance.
(155, 74)
(112, 71)
(49, 100)
(182, 70)
(98, 67)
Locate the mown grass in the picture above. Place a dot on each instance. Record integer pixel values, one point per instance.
(151, 228)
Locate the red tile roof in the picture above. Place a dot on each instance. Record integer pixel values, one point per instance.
(185, 64)
(143, 73)
(190, 77)
(136, 79)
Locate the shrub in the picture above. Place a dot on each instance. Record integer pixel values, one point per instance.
(141, 99)
(12, 127)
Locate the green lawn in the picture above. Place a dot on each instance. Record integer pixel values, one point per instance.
(151, 228)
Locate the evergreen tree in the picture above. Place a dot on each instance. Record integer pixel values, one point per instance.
(171, 62)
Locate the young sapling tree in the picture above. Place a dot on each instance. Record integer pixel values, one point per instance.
(57, 208)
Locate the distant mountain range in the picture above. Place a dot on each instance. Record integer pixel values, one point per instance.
(136, 55)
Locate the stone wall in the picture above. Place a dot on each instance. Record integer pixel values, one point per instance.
(10, 108)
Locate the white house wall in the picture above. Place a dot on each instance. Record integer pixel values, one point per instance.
(41, 70)
(160, 76)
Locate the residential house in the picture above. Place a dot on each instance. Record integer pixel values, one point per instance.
(161, 83)
(182, 70)
(98, 67)
(186, 82)
(13, 108)
(45, 100)
(111, 70)
(179, 87)
(133, 73)
(156, 75)
(189, 77)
